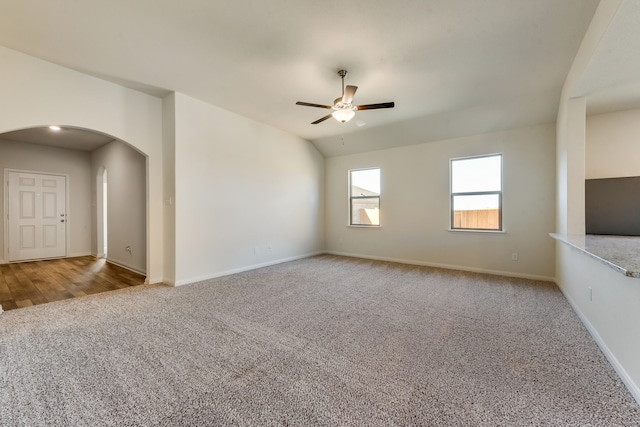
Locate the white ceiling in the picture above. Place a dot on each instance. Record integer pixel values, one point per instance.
(441, 61)
(612, 79)
(71, 138)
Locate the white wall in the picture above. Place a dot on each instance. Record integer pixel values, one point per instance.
(240, 186)
(414, 205)
(34, 92)
(613, 316)
(126, 203)
(77, 165)
(613, 145)
(612, 150)
(246, 194)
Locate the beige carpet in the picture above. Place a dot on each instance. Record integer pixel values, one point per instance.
(321, 341)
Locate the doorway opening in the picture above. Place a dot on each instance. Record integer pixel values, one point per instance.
(106, 212)
(107, 194)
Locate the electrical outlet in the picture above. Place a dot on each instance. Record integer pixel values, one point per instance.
(514, 256)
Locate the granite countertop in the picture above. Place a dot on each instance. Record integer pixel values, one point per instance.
(622, 253)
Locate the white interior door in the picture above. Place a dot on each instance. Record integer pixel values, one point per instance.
(37, 216)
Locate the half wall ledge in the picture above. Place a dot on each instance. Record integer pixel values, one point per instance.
(621, 253)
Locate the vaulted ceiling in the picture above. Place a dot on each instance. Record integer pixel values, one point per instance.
(437, 59)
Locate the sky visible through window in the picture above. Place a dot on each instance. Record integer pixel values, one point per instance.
(475, 175)
(368, 179)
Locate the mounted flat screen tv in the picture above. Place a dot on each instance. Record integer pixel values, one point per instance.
(612, 206)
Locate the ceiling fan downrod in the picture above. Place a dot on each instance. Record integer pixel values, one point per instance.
(342, 74)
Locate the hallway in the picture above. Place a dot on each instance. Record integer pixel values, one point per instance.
(38, 282)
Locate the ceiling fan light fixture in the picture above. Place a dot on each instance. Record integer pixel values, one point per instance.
(343, 116)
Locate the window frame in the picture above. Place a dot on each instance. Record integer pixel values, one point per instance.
(499, 193)
(352, 198)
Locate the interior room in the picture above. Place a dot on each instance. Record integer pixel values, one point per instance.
(202, 147)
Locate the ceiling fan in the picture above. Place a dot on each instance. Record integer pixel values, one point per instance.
(344, 110)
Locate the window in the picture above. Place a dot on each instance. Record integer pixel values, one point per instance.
(476, 193)
(364, 197)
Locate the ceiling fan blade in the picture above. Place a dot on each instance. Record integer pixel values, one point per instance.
(349, 91)
(308, 104)
(328, 116)
(376, 106)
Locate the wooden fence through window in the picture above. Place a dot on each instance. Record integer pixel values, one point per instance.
(484, 219)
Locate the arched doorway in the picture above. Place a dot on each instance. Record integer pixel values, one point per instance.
(81, 154)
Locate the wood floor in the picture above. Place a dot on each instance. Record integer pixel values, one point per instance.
(38, 282)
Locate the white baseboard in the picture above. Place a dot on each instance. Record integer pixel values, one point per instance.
(71, 255)
(239, 270)
(633, 388)
(78, 254)
(155, 280)
(128, 267)
(147, 280)
(447, 266)
(398, 260)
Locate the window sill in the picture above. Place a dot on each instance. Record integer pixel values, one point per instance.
(470, 230)
(364, 226)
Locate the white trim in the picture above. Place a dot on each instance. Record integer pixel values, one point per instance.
(474, 230)
(123, 265)
(99, 212)
(398, 260)
(349, 198)
(633, 388)
(240, 270)
(74, 255)
(451, 194)
(448, 266)
(79, 254)
(156, 280)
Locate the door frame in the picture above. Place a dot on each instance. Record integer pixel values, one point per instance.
(101, 236)
(5, 210)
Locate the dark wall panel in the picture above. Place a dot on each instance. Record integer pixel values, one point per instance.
(612, 206)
